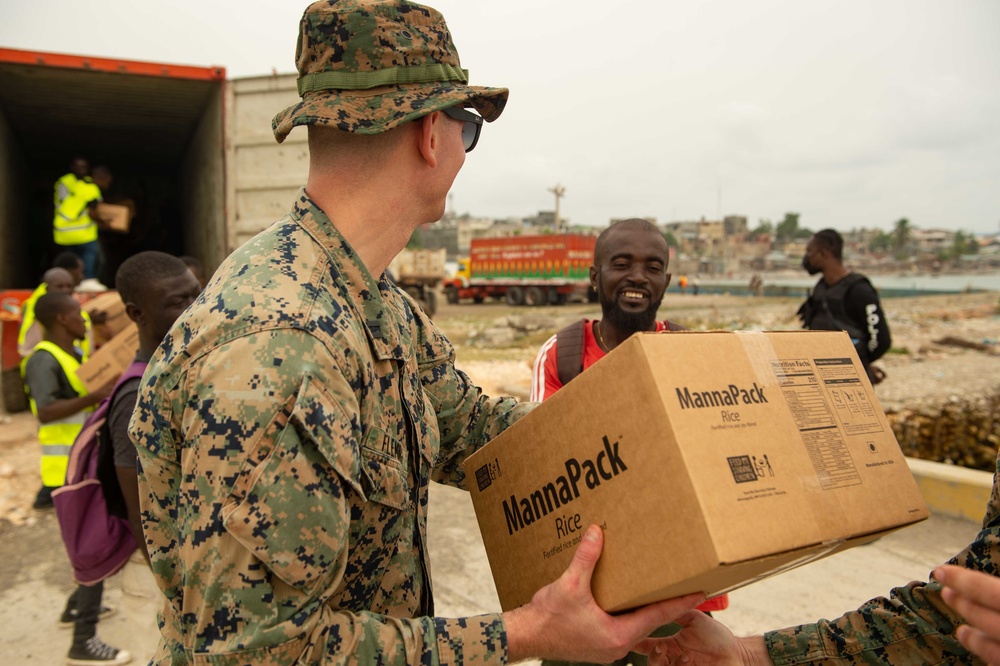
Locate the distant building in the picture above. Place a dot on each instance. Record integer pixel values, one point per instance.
(931, 242)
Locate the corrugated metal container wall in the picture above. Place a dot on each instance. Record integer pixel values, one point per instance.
(263, 176)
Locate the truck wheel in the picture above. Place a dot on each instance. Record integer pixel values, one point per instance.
(534, 296)
(514, 296)
(478, 299)
(451, 293)
(555, 298)
(430, 303)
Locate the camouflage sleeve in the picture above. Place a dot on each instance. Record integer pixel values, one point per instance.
(466, 417)
(912, 626)
(252, 530)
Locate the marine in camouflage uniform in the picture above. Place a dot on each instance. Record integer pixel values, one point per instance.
(290, 424)
(288, 428)
(913, 626)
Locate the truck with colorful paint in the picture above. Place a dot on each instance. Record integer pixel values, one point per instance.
(548, 269)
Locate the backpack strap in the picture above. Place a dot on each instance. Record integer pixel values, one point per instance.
(90, 433)
(569, 348)
(569, 351)
(136, 369)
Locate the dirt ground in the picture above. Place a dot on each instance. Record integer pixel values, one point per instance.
(496, 345)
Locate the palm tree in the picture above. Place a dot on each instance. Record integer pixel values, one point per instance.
(901, 239)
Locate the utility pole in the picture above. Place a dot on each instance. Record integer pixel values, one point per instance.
(560, 192)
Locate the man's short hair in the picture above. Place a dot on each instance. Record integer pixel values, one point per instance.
(140, 271)
(49, 306)
(633, 223)
(67, 260)
(832, 241)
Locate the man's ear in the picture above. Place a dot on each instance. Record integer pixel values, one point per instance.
(133, 311)
(594, 274)
(429, 141)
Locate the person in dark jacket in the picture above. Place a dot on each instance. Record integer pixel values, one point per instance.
(844, 301)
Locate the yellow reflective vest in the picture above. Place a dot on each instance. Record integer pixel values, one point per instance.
(30, 333)
(56, 437)
(72, 224)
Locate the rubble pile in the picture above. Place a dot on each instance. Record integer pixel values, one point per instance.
(959, 432)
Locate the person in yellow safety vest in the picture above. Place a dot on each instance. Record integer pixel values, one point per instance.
(57, 397)
(61, 403)
(75, 223)
(55, 280)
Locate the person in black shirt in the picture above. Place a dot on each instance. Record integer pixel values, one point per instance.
(844, 301)
(156, 288)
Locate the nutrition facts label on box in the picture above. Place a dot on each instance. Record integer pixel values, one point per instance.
(854, 409)
(802, 385)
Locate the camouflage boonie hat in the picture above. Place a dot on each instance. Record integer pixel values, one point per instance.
(367, 66)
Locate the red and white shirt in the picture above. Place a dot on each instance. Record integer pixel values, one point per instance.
(545, 375)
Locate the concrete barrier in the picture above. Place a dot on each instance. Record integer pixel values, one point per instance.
(951, 490)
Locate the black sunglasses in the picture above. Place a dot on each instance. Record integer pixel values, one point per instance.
(472, 127)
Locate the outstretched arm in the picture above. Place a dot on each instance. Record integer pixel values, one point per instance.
(704, 640)
(976, 596)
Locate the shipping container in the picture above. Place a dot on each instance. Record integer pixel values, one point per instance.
(192, 150)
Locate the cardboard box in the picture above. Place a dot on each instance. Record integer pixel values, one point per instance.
(111, 304)
(117, 217)
(710, 459)
(111, 360)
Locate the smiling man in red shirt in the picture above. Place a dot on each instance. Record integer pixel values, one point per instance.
(630, 276)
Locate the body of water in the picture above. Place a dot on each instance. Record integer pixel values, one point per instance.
(888, 285)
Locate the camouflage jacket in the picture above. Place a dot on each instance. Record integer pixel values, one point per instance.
(912, 626)
(287, 430)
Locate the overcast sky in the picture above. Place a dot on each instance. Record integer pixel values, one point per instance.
(853, 113)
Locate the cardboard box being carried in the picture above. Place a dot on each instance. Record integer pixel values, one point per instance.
(111, 304)
(111, 360)
(710, 459)
(117, 217)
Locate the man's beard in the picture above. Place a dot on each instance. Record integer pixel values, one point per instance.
(631, 322)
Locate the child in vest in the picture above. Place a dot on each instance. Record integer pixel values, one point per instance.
(61, 403)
